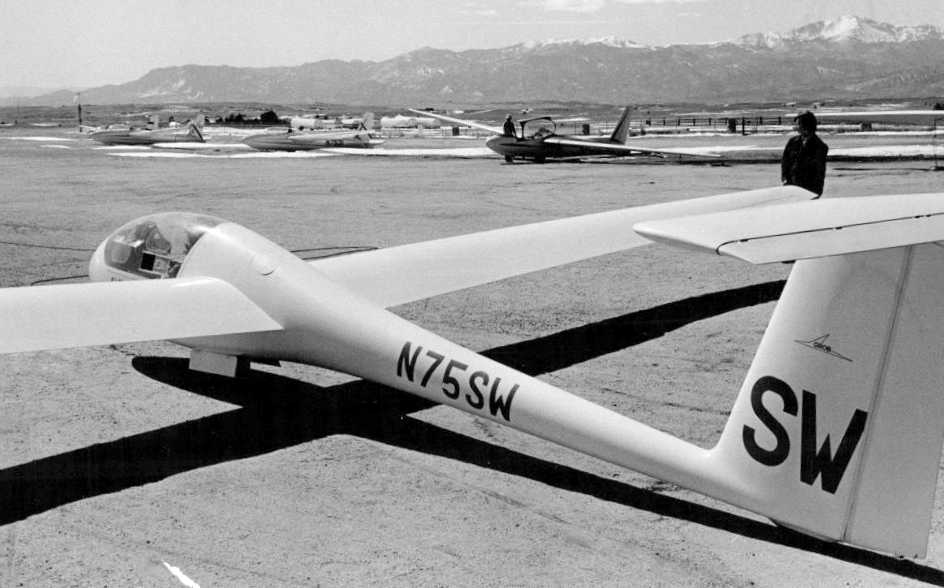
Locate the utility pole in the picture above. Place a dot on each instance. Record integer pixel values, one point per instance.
(938, 166)
(78, 103)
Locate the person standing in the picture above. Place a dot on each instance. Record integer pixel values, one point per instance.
(509, 127)
(804, 158)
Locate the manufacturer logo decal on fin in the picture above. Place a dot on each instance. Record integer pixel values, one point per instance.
(819, 344)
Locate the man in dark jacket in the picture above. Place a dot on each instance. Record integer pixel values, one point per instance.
(804, 158)
(509, 127)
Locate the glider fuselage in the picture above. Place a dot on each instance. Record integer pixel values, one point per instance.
(326, 324)
(305, 141)
(148, 137)
(539, 149)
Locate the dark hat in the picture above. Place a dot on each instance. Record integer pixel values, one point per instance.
(807, 120)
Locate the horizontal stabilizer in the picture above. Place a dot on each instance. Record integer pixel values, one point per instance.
(101, 313)
(805, 230)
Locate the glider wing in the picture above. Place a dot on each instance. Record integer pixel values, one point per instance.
(73, 315)
(620, 149)
(460, 121)
(405, 273)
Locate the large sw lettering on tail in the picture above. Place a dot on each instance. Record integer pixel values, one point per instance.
(813, 463)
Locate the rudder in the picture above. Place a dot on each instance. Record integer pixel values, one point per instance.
(194, 132)
(621, 131)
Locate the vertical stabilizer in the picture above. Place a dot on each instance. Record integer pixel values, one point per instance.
(838, 427)
(194, 133)
(621, 132)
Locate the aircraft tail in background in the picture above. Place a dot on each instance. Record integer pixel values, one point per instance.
(621, 131)
(193, 131)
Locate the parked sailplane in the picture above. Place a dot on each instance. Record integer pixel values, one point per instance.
(188, 133)
(538, 140)
(840, 443)
(292, 140)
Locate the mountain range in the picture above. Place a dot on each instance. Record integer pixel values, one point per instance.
(847, 58)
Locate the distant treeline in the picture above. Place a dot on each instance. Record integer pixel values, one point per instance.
(268, 118)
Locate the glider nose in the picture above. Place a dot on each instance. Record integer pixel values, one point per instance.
(256, 142)
(495, 144)
(269, 142)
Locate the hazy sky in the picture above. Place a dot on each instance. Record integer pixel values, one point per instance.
(82, 43)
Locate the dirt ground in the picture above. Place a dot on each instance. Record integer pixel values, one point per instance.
(115, 460)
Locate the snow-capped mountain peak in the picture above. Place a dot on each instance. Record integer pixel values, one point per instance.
(609, 41)
(843, 30)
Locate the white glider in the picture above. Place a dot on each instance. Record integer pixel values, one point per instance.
(838, 440)
(542, 142)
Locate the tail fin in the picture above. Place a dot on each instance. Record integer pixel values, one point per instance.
(368, 123)
(621, 132)
(194, 132)
(839, 423)
(838, 427)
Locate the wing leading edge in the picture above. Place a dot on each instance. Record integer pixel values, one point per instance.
(74, 315)
(460, 121)
(405, 273)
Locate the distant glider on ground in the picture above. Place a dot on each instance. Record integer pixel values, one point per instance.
(839, 441)
(189, 133)
(308, 141)
(292, 140)
(538, 141)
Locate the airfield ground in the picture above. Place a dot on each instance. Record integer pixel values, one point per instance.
(115, 460)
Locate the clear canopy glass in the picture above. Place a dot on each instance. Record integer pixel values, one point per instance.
(156, 245)
(538, 128)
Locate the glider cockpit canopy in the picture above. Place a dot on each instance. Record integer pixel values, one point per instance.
(156, 245)
(538, 127)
